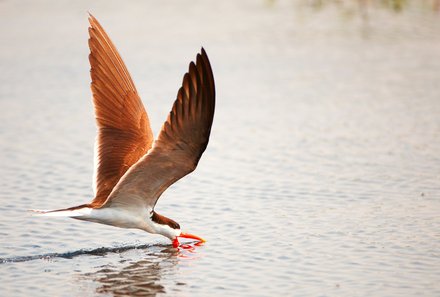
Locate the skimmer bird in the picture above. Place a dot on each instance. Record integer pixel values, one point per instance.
(132, 169)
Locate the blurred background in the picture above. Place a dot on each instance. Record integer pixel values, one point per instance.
(321, 177)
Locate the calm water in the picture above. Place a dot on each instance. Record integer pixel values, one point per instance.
(322, 177)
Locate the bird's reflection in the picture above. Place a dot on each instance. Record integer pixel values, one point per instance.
(141, 277)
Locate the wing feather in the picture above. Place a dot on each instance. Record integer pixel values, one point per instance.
(179, 146)
(124, 132)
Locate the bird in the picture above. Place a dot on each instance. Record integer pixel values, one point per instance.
(131, 168)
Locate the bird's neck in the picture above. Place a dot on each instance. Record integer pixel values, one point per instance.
(165, 226)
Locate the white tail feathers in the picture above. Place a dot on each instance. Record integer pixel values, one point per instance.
(63, 212)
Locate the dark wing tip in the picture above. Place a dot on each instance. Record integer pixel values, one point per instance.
(191, 117)
(203, 61)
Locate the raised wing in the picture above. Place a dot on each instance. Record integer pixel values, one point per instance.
(124, 133)
(179, 146)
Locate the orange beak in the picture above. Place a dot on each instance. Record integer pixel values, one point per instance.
(187, 235)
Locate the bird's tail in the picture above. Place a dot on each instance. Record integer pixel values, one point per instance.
(75, 211)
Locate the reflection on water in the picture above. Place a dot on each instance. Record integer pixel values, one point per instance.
(136, 278)
(133, 277)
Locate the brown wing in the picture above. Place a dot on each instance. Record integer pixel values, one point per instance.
(124, 133)
(181, 142)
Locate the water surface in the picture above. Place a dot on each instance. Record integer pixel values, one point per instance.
(321, 177)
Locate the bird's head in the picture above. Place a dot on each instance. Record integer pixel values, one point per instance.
(171, 229)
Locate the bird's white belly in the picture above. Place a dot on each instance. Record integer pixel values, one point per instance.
(118, 217)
